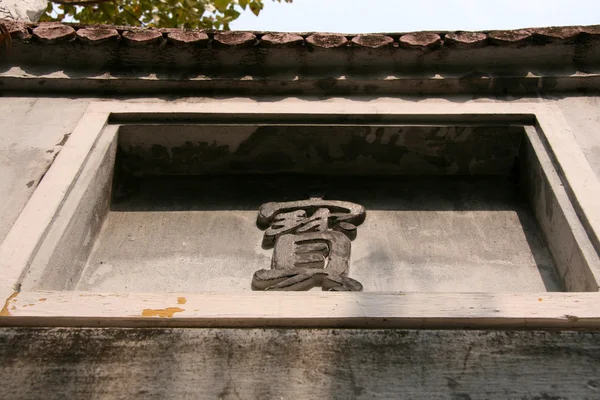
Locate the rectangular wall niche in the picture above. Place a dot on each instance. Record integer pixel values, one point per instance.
(458, 206)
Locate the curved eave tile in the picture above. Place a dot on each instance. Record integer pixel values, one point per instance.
(281, 40)
(556, 34)
(420, 40)
(514, 38)
(16, 29)
(184, 38)
(372, 41)
(143, 37)
(97, 35)
(233, 39)
(327, 40)
(466, 40)
(53, 33)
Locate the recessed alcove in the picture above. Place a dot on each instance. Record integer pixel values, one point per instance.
(172, 207)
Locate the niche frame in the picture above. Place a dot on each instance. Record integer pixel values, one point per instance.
(570, 177)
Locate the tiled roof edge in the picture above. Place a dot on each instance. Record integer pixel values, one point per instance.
(118, 58)
(57, 32)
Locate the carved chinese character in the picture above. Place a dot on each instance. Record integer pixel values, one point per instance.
(311, 241)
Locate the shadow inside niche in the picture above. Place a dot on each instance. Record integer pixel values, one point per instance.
(248, 192)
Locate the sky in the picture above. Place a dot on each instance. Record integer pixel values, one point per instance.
(370, 16)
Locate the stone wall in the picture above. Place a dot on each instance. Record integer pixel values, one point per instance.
(177, 363)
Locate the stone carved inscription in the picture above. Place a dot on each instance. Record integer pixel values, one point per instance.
(311, 242)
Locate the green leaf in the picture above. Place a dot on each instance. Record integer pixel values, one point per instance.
(255, 8)
(231, 13)
(221, 5)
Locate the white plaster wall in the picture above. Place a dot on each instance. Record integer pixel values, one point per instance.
(583, 116)
(32, 131)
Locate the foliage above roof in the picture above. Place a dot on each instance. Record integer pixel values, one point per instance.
(204, 14)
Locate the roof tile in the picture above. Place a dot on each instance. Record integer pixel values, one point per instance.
(510, 38)
(420, 40)
(97, 35)
(594, 29)
(17, 29)
(234, 39)
(327, 40)
(143, 37)
(53, 32)
(590, 32)
(282, 39)
(373, 41)
(556, 34)
(180, 37)
(465, 40)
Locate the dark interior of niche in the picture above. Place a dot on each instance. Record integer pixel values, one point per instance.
(192, 167)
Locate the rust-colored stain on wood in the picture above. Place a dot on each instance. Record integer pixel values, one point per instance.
(540, 299)
(181, 300)
(43, 299)
(162, 312)
(5, 312)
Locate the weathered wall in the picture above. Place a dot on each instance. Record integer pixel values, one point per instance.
(297, 364)
(32, 131)
(193, 363)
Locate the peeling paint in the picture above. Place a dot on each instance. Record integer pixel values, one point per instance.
(5, 312)
(162, 312)
(181, 300)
